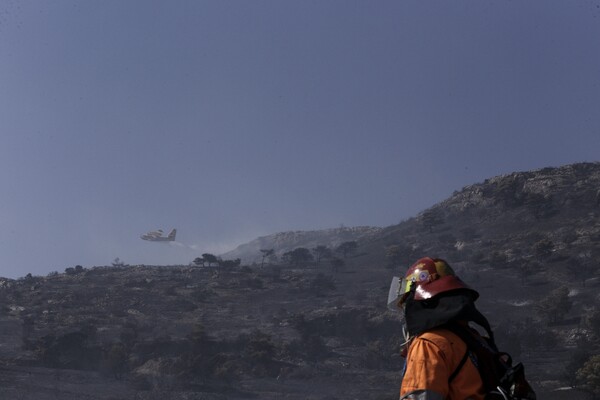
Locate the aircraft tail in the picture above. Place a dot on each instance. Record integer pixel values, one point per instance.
(172, 234)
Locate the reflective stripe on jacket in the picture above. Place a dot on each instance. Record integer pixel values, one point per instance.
(432, 358)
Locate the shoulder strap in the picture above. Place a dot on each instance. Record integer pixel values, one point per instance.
(459, 366)
(466, 337)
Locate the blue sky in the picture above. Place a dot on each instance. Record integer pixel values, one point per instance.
(235, 119)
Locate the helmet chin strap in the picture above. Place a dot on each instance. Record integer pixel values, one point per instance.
(406, 335)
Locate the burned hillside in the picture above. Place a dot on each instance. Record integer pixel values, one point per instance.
(314, 328)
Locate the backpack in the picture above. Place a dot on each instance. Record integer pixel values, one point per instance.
(501, 379)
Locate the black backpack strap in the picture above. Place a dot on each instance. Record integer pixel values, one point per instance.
(468, 340)
(459, 367)
(463, 333)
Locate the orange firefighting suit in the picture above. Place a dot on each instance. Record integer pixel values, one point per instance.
(432, 358)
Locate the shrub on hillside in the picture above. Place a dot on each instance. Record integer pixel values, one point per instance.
(259, 347)
(321, 284)
(577, 359)
(115, 361)
(70, 351)
(508, 192)
(592, 321)
(589, 375)
(543, 248)
(259, 354)
(555, 306)
(299, 257)
(230, 263)
(431, 218)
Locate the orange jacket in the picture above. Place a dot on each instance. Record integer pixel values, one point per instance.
(432, 358)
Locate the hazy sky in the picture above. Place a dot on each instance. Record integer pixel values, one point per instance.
(235, 119)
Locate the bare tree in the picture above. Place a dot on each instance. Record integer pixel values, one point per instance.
(265, 254)
(321, 252)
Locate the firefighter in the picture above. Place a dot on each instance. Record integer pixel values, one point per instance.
(438, 365)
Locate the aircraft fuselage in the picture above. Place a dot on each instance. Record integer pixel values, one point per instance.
(156, 236)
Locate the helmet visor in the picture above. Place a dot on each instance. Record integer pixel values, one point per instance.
(399, 287)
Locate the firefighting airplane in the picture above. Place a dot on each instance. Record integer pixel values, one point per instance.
(157, 236)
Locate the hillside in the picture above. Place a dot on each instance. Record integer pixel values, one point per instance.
(285, 241)
(528, 241)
